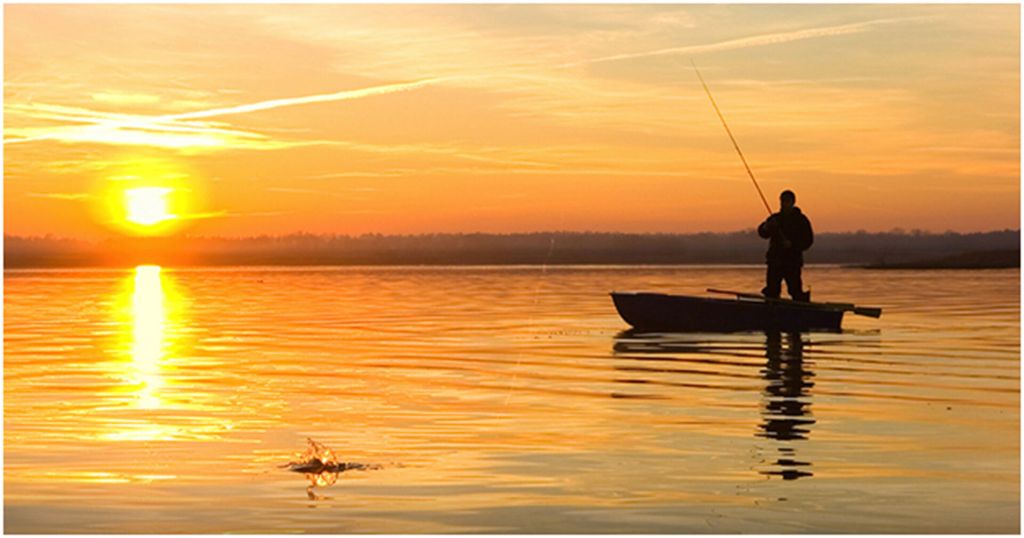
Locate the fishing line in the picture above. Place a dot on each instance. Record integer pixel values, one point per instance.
(533, 311)
(731, 137)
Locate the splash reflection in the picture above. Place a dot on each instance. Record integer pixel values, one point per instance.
(322, 468)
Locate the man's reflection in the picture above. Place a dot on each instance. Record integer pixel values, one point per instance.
(786, 396)
(786, 410)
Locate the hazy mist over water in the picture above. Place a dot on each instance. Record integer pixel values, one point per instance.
(542, 248)
(503, 400)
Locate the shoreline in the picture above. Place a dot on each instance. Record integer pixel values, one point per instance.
(468, 266)
(982, 259)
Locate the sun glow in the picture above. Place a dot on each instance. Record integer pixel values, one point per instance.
(148, 196)
(147, 206)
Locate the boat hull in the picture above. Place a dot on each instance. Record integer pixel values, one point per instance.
(661, 312)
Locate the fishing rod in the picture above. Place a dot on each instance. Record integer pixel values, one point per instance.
(731, 137)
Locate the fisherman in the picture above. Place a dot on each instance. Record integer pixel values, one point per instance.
(789, 234)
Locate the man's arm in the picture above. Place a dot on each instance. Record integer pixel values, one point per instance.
(768, 227)
(808, 234)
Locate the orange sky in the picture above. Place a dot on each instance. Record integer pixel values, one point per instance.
(270, 119)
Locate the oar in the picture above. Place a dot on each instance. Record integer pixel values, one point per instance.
(746, 295)
(869, 311)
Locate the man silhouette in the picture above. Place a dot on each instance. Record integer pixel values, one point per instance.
(789, 234)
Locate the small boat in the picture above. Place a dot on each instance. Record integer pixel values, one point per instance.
(745, 312)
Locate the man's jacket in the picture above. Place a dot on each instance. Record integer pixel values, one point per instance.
(792, 226)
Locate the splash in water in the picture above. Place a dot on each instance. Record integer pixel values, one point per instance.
(322, 467)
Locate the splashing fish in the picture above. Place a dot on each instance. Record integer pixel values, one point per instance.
(322, 467)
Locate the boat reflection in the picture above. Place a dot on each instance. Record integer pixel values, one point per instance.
(786, 380)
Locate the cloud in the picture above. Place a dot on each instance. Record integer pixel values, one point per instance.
(236, 214)
(180, 130)
(125, 99)
(361, 174)
(970, 149)
(752, 41)
(200, 216)
(343, 95)
(70, 196)
(291, 190)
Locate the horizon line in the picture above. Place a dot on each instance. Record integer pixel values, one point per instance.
(895, 230)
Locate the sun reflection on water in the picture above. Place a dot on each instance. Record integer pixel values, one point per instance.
(149, 317)
(155, 403)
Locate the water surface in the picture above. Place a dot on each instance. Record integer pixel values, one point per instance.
(502, 400)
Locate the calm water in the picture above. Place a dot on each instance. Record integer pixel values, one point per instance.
(502, 400)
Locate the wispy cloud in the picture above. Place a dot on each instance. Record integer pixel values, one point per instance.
(364, 174)
(752, 41)
(971, 149)
(246, 214)
(292, 190)
(344, 95)
(69, 196)
(125, 99)
(200, 216)
(179, 130)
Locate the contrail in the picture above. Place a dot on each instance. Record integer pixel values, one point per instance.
(179, 122)
(753, 41)
(344, 95)
(114, 119)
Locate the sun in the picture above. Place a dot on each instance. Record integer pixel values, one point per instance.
(144, 196)
(147, 206)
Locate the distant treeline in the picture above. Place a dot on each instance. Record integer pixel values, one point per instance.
(494, 249)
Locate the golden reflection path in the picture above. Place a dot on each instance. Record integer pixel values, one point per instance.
(155, 405)
(149, 317)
